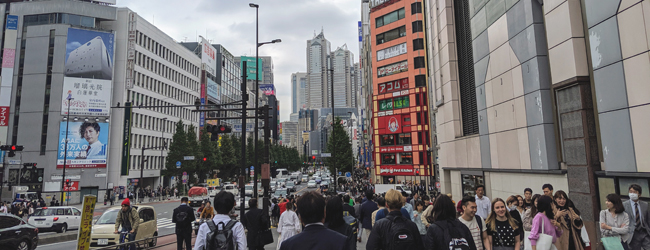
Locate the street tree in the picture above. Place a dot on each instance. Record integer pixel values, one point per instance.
(194, 166)
(341, 149)
(177, 149)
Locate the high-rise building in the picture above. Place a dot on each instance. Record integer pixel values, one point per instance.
(341, 60)
(400, 123)
(298, 91)
(290, 134)
(318, 76)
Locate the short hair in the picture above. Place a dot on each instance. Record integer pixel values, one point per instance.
(82, 128)
(405, 194)
(394, 199)
(289, 205)
(479, 186)
(184, 199)
(528, 190)
(346, 198)
(369, 194)
(467, 199)
(224, 202)
(311, 207)
(635, 187)
(616, 201)
(381, 201)
(252, 203)
(358, 199)
(512, 199)
(426, 198)
(547, 185)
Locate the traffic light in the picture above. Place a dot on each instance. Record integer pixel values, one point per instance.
(12, 149)
(215, 130)
(417, 172)
(205, 159)
(313, 157)
(67, 183)
(276, 162)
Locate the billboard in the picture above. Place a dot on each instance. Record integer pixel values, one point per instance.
(250, 67)
(213, 90)
(88, 73)
(392, 69)
(391, 52)
(267, 89)
(208, 57)
(87, 145)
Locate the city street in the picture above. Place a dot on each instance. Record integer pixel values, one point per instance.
(164, 212)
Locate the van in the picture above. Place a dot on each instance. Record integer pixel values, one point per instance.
(232, 189)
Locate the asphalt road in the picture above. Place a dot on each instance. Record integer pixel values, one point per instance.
(166, 227)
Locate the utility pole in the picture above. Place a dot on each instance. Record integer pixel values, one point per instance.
(142, 161)
(333, 120)
(244, 98)
(267, 141)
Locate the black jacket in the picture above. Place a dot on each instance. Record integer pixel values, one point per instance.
(381, 233)
(315, 237)
(365, 215)
(255, 221)
(435, 237)
(349, 209)
(183, 221)
(346, 230)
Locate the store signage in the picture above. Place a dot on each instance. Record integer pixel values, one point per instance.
(71, 177)
(393, 86)
(391, 52)
(393, 125)
(393, 149)
(396, 170)
(4, 116)
(392, 69)
(73, 187)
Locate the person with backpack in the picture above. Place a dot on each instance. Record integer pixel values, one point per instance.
(129, 219)
(503, 230)
(221, 233)
(183, 216)
(474, 222)
(445, 231)
(289, 224)
(256, 222)
(395, 231)
(334, 221)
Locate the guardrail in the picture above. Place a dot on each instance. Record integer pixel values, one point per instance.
(141, 244)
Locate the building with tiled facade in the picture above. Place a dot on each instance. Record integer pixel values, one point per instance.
(527, 92)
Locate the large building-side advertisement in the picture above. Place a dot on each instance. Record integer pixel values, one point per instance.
(392, 69)
(267, 89)
(391, 52)
(88, 73)
(208, 57)
(250, 67)
(213, 90)
(87, 145)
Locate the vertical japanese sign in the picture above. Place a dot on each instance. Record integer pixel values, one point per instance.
(130, 50)
(86, 225)
(4, 116)
(6, 83)
(126, 141)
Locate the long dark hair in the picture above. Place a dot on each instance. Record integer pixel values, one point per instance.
(533, 208)
(616, 201)
(544, 206)
(568, 204)
(334, 212)
(443, 209)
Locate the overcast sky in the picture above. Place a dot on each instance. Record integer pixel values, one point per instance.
(231, 23)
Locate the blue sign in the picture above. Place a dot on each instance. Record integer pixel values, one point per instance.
(252, 168)
(360, 32)
(178, 165)
(347, 174)
(213, 90)
(12, 22)
(2, 157)
(339, 172)
(202, 115)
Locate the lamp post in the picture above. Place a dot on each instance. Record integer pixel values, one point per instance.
(164, 143)
(65, 150)
(257, 92)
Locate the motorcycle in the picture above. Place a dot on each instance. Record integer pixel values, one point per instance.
(197, 223)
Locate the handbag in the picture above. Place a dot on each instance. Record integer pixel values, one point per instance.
(265, 237)
(544, 242)
(612, 243)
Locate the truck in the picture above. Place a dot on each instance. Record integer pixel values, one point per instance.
(383, 188)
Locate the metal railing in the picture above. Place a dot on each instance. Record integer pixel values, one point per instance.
(142, 243)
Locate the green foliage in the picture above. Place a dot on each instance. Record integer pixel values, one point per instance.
(286, 157)
(177, 149)
(340, 148)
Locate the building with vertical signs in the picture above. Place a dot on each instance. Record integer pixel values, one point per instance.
(399, 93)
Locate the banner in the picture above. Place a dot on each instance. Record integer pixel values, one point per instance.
(27, 176)
(267, 89)
(126, 140)
(74, 186)
(213, 90)
(88, 73)
(392, 69)
(396, 170)
(86, 225)
(86, 145)
(391, 52)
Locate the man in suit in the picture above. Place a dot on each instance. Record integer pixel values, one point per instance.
(315, 236)
(255, 221)
(183, 216)
(637, 210)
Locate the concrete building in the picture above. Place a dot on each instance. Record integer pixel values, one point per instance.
(400, 124)
(524, 97)
(290, 135)
(341, 60)
(298, 91)
(318, 64)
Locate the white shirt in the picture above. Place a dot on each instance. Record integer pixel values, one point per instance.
(477, 234)
(239, 236)
(483, 206)
(634, 209)
(97, 151)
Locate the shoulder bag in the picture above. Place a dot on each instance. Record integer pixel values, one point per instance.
(545, 241)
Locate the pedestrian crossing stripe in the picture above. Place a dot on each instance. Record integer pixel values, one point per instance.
(166, 223)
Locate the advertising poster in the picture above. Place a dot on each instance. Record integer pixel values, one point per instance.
(267, 89)
(87, 145)
(392, 69)
(213, 91)
(208, 57)
(88, 73)
(391, 52)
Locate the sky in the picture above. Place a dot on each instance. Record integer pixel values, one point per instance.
(231, 23)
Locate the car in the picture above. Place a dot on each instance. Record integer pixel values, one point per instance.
(280, 192)
(291, 187)
(248, 189)
(273, 184)
(197, 196)
(102, 231)
(311, 184)
(15, 233)
(58, 219)
(232, 189)
(318, 180)
(238, 204)
(304, 179)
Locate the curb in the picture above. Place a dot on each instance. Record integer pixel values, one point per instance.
(56, 238)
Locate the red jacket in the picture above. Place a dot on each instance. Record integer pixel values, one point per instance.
(283, 207)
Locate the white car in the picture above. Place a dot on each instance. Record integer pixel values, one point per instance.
(248, 190)
(58, 219)
(232, 189)
(311, 184)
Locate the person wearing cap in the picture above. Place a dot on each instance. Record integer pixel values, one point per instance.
(129, 219)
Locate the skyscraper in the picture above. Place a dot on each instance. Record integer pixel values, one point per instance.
(298, 91)
(341, 60)
(318, 50)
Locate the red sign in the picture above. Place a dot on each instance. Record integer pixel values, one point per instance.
(392, 149)
(396, 170)
(393, 124)
(393, 86)
(73, 187)
(4, 116)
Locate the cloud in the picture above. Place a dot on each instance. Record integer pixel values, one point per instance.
(232, 24)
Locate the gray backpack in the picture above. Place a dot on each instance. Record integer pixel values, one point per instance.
(220, 236)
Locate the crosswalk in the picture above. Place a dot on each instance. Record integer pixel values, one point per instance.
(166, 223)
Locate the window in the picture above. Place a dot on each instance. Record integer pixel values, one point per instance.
(387, 140)
(417, 26)
(8, 221)
(389, 18)
(418, 44)
(388, 159)
(404, 139)
(469, 113)
(420, 81)
(418, 62)
(470, 182)
(416, 8)
(405, 158)
(391, 35)
(76, 212)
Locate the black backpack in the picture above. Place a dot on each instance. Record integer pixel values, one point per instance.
(454, 236)
(220, 236)
(400, 236)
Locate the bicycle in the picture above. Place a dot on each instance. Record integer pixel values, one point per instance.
(125, 239)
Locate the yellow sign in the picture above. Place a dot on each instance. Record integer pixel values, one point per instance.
(86, 225)
(213, 182)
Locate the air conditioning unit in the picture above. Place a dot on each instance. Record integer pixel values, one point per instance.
(90, 60)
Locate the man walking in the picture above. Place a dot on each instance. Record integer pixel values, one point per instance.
(255, 221)
(637, 211)
(223, 203)
(183, 216)
(475, 223)
(483, 203)
(365, 216)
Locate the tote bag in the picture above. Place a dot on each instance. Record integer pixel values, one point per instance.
(611, 243)
(545, 241)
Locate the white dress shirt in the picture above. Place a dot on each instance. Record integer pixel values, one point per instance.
(97, 151)
(239, 236)
(483, 206)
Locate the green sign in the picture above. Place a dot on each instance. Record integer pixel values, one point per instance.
(251, 67)
(401, 102)
(126, 141)
(386, 104)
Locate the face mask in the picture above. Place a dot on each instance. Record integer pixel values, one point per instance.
(513, 207)
(634, 196)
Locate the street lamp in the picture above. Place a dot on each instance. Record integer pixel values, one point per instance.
(162, 138)
(65, 150)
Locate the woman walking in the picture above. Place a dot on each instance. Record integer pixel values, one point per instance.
(417, 214)
(614, 221)
(334, 221)
(502, 229)
(289, 224)
(545, 217)
(569, 219)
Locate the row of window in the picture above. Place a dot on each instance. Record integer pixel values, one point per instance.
(391, 35)
(151, 162)
(395, 139)
(140, 141)
(389, 18)
(397, 158)
(50, 18)
(48, 88)
(165, 71)
(145, 100)
(165, 53)
(167, 90)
